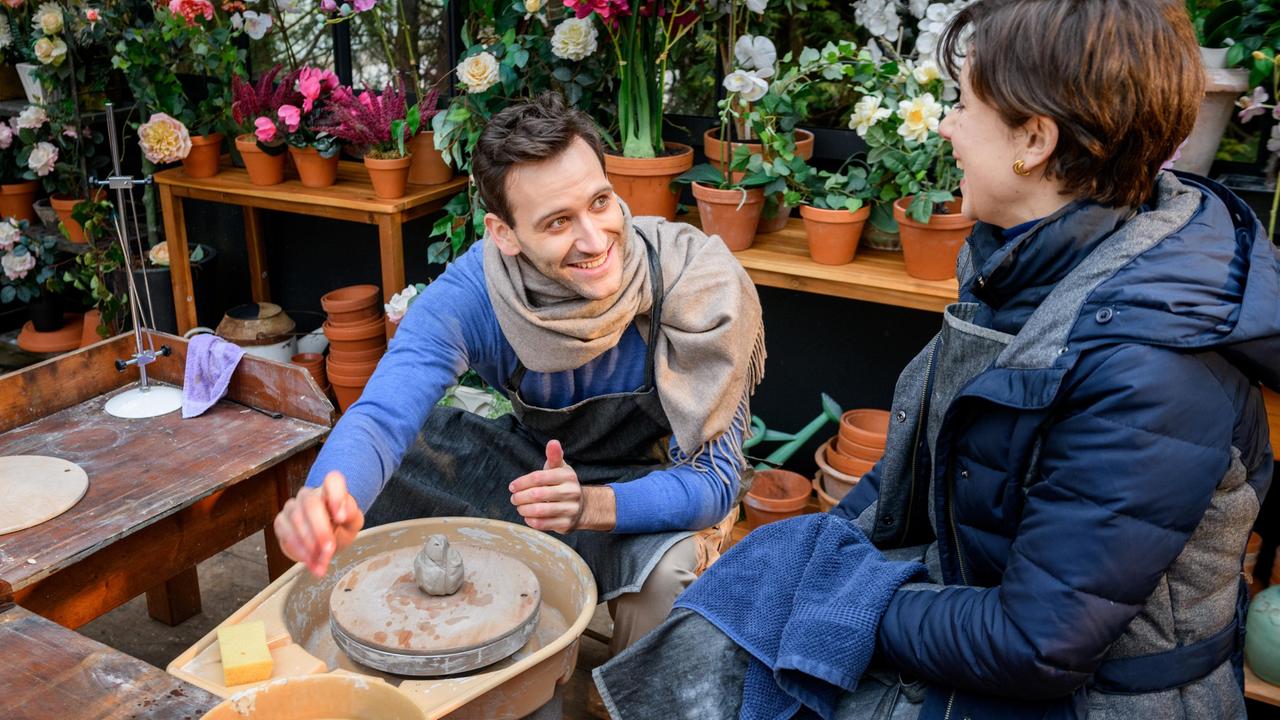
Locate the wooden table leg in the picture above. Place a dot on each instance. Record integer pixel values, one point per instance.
(391, 245)
(177, 599)
(290, 476)
(259, 283)
(175, 231)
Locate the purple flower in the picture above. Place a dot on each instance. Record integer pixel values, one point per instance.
(364, 5)
(329, 6)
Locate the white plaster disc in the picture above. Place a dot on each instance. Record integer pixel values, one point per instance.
(37, 488)
(138, 403)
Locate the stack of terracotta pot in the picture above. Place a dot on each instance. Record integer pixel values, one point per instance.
(851, 453)
(775, 495)
(357, 339)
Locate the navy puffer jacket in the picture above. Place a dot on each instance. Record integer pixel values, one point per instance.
(1094, 505)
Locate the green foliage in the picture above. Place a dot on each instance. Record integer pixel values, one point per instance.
(92, 270)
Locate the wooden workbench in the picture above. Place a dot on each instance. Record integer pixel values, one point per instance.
(350, 199)
(164, 493)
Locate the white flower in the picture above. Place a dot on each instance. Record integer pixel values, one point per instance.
(48, 18)
(6, 33)
(42, 158)
(289, 6)
(574, 39)
(32, 117)
(50, 52)
(920, 117)
(757, 6)
(879, 17)
(1273, 144)
(532, 6)
(935, 20)
(478, 72)
(926, 72)
(756, 53)
(399, 303)
(256, 25)
(918, 7)
(159, 254)
(16, 267)
(6, 136)
(745, 84)
(866, 113)
(10, 234)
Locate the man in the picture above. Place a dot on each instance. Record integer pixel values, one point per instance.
(607, 333)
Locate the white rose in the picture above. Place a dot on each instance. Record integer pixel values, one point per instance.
(42, 158)
(50, 52)
(756, 53)
(926, 72)
(16, 267)
(866, 113)
(478, 72)
(48, 18)
(399, 303)
(32, 117)
(920, 117)
(159, 254)
(879, 17)
(10, 234)
(532, 6)
(757, 6)
(256, 25)
(574, 39)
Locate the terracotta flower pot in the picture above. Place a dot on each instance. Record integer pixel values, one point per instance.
(352, 369)
(851, 466)
(366, 336)
(263, 169)
(716, 151)
(313, 170)
(17, 200)
(202, 161)
(352, 305)
(833, 234)
(89, 327)
(350, 357)
(837, 483)
(645, 183)
(857, 450)
(825, 501)
(930, 249)
(776, 223)
(346, 388)
(776, 495)
(428, 166)
(390, 177)
(314, 363)
(63, 205)
(866, 427)
(728, 214)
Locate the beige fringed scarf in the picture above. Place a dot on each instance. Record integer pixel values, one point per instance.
(710, 350)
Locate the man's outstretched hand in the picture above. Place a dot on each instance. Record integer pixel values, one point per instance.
(319, 522)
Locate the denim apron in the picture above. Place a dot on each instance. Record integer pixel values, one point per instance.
(461, 464)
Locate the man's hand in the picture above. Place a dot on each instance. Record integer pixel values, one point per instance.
(318, 523)
(551, 499)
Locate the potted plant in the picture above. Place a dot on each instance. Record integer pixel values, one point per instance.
(726, 207)
(17, 193)
(428, 166)
(314, 151)
(642, 39)
(29, 275)
(835, 214)
(253, 109)
(377, 126)
(1255, 105)
(92, 272)
(1238, 39)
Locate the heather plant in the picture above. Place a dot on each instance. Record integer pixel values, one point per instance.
(251, 100)
(374, 123)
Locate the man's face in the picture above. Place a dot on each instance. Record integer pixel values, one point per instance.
(566, 221)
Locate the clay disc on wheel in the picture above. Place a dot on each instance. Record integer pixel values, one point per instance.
(37, 488)
(378, 603)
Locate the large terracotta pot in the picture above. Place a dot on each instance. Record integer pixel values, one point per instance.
(866, 427)
(428, 166)
(833, 234)
(849, 465)
(263, 168)
(776, 495)
(63, 205)
(352, 305)
(17, 200)
(390, 177)
(356, 337)
(313, 170)
(347, 387)
(718, 152)
(729, 214)
(645, 183)
(930, 249)
(202, 161)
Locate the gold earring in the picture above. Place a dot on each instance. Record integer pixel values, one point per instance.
(1020, 168)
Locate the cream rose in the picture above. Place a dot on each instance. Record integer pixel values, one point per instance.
(42, 158)
(866, 113)
(574, 39)
(51, 51)
(10, 234)
(159, 254)
(164, 139)
(32, 117)
(920, 116)
(48, 18)
(926, 72)
(532, 6)
(478, 72)
(16, 267)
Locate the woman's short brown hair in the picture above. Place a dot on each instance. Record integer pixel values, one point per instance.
(1121, 78)
(529, 132)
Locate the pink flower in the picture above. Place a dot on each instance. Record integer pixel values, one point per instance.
(291, 116)
(191, 9)
(265, 130)
(312, 82)
(604, 8)
(366, 99)
(93, 15)
(363, 5)
(6, 136)
(16, 267)
(328, 6)
(164, 139)
(1252, 106)
(14, 4)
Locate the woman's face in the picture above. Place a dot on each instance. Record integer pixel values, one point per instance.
(985, 150)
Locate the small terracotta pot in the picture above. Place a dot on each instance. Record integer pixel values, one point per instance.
(346, 388)
(314, 363)
(776, 495)
(313, 170)
(716, 151)
(855, 449)
(343, 338)
(202, 161)
(17, 200)
(428, 166)
(89, 328)
(645, 183)
(836, 483)
(352, 305)
(930, 249)
(825, 501)
(776, 223)
(349, 357)
(390, 177)
(866, 427)
(64, 205)
(721, 215)
(349, 369)
(263, 169)
(833, 235)
(851, 466)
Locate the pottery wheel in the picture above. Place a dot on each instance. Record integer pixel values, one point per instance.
(381, 618)
(37, 488)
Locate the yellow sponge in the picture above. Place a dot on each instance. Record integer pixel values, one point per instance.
(245, 657)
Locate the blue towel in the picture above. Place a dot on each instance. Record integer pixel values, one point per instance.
(804, 597)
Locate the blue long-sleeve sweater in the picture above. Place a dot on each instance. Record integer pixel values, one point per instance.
(450, 327)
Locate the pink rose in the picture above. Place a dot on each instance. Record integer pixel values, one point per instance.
(325, 5)
(363, 5)
(191, 9)
(6, 136)
(16, 267)
(14, 4)
(291, 116)
(265, 130)
(93, 15)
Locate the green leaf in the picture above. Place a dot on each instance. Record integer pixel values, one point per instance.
(705, 174)
(7, 293)
(563, 74)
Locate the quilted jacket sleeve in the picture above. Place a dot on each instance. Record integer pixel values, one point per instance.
(1127, 471)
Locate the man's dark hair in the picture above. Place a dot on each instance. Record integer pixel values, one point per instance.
(530, 132)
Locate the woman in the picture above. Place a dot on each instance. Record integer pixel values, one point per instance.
(1084, 447)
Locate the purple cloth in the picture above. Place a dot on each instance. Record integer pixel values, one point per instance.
(210, 363)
